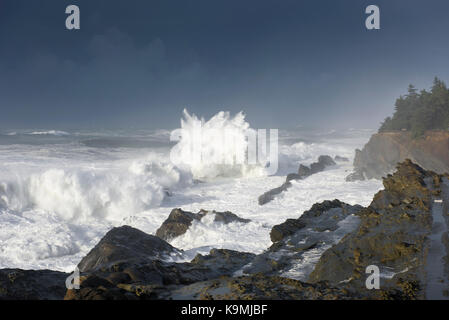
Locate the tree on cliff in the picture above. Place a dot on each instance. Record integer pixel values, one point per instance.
(418, 112)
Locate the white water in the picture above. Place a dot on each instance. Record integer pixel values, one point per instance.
(59, 197)
(214, 148)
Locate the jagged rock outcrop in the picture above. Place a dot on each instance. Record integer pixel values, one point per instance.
(326, 161)
(384, 150)
(392, 235)
(323, 216)
(303, 172)
(206, 277)
(179, 221)
(148, 277)
(155, 279)
(300, 241)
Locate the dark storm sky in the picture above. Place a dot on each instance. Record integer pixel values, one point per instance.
(138, 63)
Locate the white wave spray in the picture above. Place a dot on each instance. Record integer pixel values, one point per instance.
(214, 148)
(80, 194)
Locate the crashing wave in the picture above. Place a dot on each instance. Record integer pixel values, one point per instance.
(77, 195)
(214, 148)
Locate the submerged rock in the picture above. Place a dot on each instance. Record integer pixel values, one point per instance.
(341, 159)
(326, 161)
(357, 175)
(303, 172)
(179, 221)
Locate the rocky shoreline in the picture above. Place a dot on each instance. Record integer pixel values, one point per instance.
(321, 255)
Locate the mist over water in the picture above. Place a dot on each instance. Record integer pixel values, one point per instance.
(61, 191)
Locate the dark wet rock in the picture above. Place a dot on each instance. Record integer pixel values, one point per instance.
(270, 195)
(17, 284)
(259, 287)
(125, 244)
(320, 217)
(179, 221)
(303, 172)
(289, 227)
(317, 167)
(341, 159)
(298, 240)
(392, 235)
(128, 264)
(154, 279)
(293, 176)
(326, 160)
(384, 150)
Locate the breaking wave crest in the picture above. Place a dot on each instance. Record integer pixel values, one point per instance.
(80, 194)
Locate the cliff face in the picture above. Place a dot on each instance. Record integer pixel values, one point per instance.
(384, 150)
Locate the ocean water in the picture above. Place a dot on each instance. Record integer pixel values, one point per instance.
(61, 191)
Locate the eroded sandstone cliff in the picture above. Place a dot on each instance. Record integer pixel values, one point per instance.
(384, 150)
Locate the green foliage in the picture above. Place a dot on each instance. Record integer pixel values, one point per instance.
(419, 112)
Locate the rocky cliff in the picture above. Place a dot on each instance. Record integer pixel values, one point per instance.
(384, 150)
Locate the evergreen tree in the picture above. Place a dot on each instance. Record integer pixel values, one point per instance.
(419, 112)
